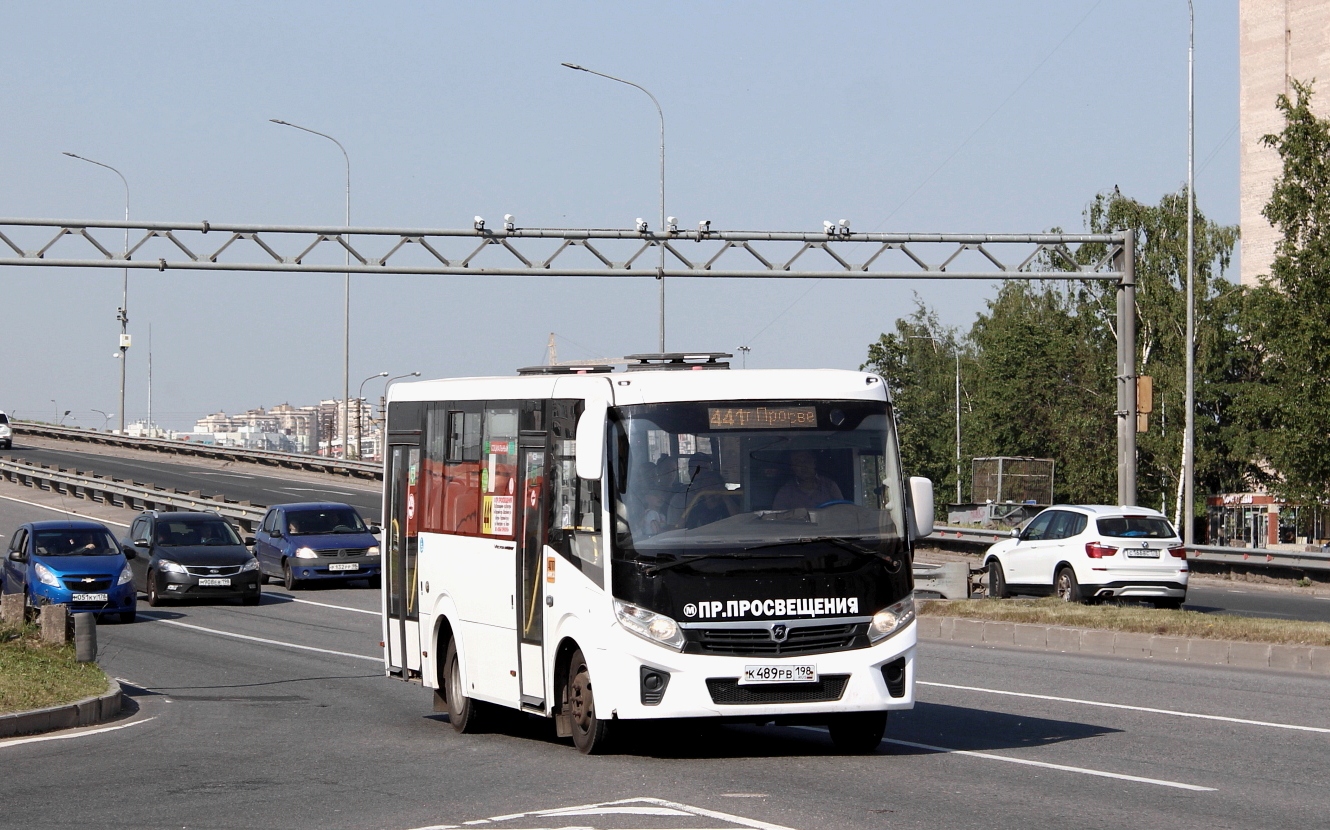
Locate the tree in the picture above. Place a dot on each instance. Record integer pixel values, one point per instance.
(917, 361)
(1288, 337)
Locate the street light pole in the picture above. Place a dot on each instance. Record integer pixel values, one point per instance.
(660, 274)
(1189, 440)
(123, 314)
(105, 418)
(346, 304)
(360, 396)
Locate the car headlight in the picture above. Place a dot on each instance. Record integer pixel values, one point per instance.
(5, 432)
(170, 567)
(649, 625)
(126, 575)
(891, 619)
(46, 576)
(306, 553)
(251, 565)
(372, 550)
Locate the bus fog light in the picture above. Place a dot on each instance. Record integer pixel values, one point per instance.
(891, 619)
(649, 625)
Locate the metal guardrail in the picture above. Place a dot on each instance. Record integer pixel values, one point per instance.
(129, 495)
(968, 537)
(355, 469)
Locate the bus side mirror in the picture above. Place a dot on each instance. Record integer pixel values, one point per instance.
(590, 457)
(921, 498)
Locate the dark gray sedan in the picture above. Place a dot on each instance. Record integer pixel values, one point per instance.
(191, 556)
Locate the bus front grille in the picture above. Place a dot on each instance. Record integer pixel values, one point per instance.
(726, 691)
(758, 642)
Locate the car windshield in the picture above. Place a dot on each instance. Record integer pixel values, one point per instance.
(742, 476)
(1144, 527)
(324, 522)
(186, 532)
(3, 419)
(75, 543)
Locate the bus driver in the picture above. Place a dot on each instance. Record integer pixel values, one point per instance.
(806, 489)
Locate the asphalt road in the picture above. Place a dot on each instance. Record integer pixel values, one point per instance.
(279, 716)
(1257, 603)
(238, 481)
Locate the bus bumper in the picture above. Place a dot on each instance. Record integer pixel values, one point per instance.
(656, 682)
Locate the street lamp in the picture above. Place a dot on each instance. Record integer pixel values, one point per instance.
(958, 407)
(123, 313)
(346, 310)
(105, 418)
(360, 396)
(1189, 439)
(660, 274)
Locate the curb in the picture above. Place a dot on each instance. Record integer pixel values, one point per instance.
(86, 712)
(1101, 643)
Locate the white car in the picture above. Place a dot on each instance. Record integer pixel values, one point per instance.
(6, 433)
(1084, 553)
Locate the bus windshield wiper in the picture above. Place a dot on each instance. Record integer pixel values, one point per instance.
(661, 566)
(849, 543)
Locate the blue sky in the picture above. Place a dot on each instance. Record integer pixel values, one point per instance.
(901, 116)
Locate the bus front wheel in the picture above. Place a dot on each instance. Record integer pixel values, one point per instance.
(591, 735)
(858, 732)
(463, 712)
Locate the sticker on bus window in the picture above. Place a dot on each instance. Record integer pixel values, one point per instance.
(499, 447)
(549, 569)
(497, 516)
(687, 444)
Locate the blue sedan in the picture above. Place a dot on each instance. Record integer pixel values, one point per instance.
(76, 563)
(316, 541)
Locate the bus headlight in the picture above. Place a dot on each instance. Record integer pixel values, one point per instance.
(306, 553)
(649, 625)
(891, 619)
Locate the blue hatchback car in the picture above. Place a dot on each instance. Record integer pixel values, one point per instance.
(76, 563)
(315, 541)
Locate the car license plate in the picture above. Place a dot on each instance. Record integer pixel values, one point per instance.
(778, 674)
(90, 597)
(214, 581)
(344, 566)
(1142, 553)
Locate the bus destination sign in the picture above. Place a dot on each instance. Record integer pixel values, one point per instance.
(762, 417)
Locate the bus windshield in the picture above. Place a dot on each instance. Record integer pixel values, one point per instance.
(745, 476)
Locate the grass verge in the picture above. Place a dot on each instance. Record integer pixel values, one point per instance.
(1135, 619)
(34, 675)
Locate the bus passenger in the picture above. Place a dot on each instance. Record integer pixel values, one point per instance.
(806, 488)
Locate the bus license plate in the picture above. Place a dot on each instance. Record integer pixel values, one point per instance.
(90, 597)
(1142, 553)
(778, 674)
(344, 566)
(214, 581)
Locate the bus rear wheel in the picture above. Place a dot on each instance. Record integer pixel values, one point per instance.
(858, 733)
(463, 712)
(591, 735)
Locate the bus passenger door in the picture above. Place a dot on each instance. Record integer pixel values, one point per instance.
(530, 628)
(401, 606)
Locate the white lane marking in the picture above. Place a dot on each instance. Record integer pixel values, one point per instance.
(322, 490)
(286, 598)
(631, 806)
(261, 639)
(228, 475)
(1320, 597)
(66, 512)
(988, 756)
(1173, 712)
(1236, 592)
(65, 737)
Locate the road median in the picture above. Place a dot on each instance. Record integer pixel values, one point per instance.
(1174, 636)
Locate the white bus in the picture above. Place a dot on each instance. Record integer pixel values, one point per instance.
(703, 543)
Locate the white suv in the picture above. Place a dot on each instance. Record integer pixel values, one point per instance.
(6, 433)
(1091, 552)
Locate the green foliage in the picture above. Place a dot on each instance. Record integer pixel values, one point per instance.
(1039, 367)
(1288, 393)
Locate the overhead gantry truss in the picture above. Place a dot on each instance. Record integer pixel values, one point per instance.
(836, 253)
(478, 251)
